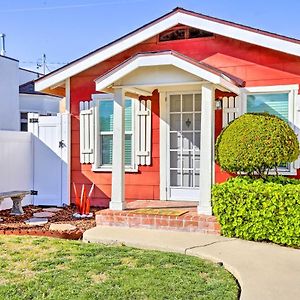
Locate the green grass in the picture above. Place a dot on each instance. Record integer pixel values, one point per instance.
(42, 268)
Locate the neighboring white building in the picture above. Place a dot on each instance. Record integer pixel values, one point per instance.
(36, 102)
(17, 96)
(9, 94)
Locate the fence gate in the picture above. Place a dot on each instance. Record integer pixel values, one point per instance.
(50, 158)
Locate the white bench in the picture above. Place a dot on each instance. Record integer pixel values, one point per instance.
(16, 197)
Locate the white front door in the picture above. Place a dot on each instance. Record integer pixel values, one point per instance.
(184, 111)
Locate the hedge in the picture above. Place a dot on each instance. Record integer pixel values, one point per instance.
(258, 210)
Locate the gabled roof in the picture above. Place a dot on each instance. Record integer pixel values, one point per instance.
(173, 18)
(28, 89)
(169, 57)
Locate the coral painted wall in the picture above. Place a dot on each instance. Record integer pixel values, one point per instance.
(256, 65)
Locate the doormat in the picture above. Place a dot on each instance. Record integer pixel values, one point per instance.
(159, 211)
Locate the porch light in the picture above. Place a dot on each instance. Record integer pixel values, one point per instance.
(218, 103)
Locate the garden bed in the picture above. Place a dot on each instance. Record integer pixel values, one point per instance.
(15, 224)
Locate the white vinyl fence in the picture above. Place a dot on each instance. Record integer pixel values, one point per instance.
(37, 161)
(16, 164)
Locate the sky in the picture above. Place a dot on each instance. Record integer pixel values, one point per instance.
(67, 29)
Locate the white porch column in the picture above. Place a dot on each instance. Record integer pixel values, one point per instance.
(206, 148)
(118, 158)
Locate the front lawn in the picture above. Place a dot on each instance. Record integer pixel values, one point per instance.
(42, 268)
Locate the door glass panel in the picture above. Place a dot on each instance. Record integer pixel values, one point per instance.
(187, 122)
(187, 102)
(175, 178)
(174, 159)
(197, 121)
(187, 178)
(174, 140)
(175, 103)
(197, 161)
(175, 122)
(187, 160)
(197, 140)
(184, 153)
(197, 179)
(197, 102)
(187, 141)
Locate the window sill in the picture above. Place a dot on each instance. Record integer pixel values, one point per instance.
(109, 170)
(292, 172)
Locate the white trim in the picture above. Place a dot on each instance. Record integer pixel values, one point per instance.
(160, 26)
(163, 134)
(241, 34)
(68, 101)
(292, 91)
(206, 148)
(270, 88)
(162, 59)
(96, 166)
(117, 201)
(176, 193)
(109, 96)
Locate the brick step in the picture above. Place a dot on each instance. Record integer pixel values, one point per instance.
(186, 222)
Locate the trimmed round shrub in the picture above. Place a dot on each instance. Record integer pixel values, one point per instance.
(256, 142)
(259, 210)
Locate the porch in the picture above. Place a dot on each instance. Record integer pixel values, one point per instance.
(187, 93)
(155, 214)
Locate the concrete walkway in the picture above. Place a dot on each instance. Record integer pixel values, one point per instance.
(264, 271)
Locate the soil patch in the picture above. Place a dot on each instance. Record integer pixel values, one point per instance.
(15, 224)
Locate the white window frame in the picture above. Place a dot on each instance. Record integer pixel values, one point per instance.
(292, 91)
(97, 167)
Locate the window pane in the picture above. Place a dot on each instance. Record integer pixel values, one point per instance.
(187, 179)
(198, 33)
(187, 102)
(175, 122)
(128, 115)
(197, 121)
(187, 160)
(187, 122)
(197, 102)
(174, 141)
(128, 149)
(178, 34)
(187, 141)
(106, 109)
(174, 159)
(175, 103)
(175, 178)
(107, 146)
(274, 104)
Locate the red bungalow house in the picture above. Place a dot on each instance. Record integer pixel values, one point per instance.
(146, 108)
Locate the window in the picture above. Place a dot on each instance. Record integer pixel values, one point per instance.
(182, 33)
(24, 121)
(106, 133)
(274, 104)
(277, 104)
